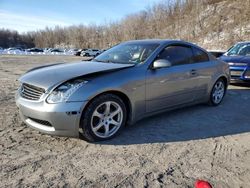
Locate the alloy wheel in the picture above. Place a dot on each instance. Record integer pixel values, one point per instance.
(106, 119)
(218, 92)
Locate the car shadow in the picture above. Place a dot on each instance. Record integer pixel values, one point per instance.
(191, 123)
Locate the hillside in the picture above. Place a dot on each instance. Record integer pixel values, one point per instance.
(213, 24)
(224, 23)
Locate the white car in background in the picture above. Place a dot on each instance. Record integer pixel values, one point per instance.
(91, 52)
(14, 51)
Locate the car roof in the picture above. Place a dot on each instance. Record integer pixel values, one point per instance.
(160, 41)
(163, 42)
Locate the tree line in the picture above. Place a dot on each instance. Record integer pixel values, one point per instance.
(210, 23)
(10, 38)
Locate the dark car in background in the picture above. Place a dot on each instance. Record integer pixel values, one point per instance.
(216, 53)
(34, 50)
(56, 50)
(238, 58)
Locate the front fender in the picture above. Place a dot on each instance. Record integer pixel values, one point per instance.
(129, 82)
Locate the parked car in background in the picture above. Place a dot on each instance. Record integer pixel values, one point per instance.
(14, 50)
(216, 53)
(126, 83)
(47, 49)
(57, 50)
(34, 50)
(91, 52)
(238, 58)
(78, 53)
(73, 50)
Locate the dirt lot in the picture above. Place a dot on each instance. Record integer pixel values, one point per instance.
(172, 149)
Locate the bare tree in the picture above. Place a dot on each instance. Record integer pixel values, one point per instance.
(216, 23)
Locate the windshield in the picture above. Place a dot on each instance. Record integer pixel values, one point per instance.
(239, 49)
(127, 53)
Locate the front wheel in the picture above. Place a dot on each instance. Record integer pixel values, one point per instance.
(218, 92)
(104, 118)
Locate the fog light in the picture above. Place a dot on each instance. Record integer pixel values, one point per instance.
(247, 74)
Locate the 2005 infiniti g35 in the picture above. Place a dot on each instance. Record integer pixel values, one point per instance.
(120, 86)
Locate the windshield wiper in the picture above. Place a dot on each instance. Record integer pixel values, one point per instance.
(106, 61)
(109, 61)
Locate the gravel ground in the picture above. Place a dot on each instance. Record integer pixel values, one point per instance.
(172, 149)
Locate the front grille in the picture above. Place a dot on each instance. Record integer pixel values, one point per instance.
(237, 64)
(42, 122)
(31, 92)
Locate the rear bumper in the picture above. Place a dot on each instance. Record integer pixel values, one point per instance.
(60, 119)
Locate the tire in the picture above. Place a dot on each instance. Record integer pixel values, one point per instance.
(98, 123)
(217, 93)
(87, 55)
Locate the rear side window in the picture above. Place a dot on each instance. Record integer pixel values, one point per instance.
(200, 56)
(177, 55)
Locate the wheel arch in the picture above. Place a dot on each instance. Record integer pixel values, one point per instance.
(224, 78)
(214, 80)
(121, 95)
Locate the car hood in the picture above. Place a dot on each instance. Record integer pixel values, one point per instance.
(47, 77)
(236, 59)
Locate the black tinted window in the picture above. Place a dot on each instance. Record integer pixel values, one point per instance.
(200, 56)
(177, 55)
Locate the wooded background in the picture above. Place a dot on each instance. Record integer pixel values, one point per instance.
(209, 23)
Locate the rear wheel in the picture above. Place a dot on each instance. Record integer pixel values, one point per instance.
(218, 92)
(104, 118)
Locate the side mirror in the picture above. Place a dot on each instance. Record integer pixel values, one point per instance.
(161, 63)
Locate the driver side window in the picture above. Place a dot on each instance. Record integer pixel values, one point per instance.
(245, 51)
(177, 55)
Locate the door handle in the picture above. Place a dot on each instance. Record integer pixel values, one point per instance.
(193, 72)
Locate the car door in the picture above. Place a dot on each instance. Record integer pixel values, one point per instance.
(174, 85)
(204, 69)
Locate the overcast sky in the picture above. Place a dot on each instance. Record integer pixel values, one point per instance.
(31, 15)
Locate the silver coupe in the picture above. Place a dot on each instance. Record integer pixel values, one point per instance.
(122, 85)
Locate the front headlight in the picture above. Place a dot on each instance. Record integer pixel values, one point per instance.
(64, 91)
(247, 74)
